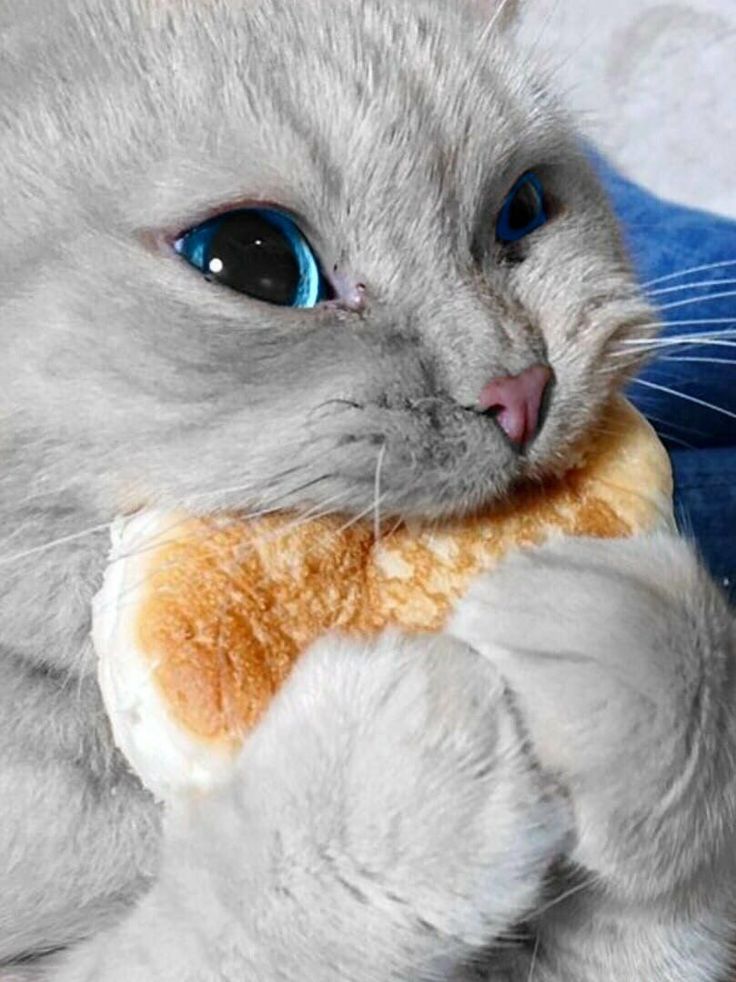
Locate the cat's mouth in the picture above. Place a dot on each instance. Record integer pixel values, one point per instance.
(431, 458)
(428, 458)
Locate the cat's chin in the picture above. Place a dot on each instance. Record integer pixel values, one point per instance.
(428, 500)
(429, 495)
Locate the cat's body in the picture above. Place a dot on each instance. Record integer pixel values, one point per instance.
(376, 830)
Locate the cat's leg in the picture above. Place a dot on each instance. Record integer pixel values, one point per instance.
(78, 834)
(386, 821)
(622, 658)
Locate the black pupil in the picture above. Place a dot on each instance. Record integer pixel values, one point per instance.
(524, 207)
(249, 254)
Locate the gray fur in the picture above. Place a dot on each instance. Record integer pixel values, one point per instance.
(394, 129)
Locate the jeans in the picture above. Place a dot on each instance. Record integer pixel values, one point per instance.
(688, 390)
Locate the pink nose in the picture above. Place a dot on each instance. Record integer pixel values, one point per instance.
(517, 401)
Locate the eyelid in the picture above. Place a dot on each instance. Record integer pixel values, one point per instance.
(165, 236)
(528, 177)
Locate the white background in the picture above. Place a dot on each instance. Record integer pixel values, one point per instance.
(655, 86)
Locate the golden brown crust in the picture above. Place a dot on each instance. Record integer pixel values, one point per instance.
(229, 604)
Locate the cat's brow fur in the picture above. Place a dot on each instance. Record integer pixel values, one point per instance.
(376, 830)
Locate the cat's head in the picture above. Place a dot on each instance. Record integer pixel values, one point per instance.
(440, 217)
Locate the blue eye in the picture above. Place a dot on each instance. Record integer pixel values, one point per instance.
(259, 252)
(523, 210)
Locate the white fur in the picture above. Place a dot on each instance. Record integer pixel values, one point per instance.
(402, 809)
(385, 822)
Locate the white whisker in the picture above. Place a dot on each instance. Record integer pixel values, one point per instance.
(707, 337)
(590, 880)
(688, 430)
(486, 34)
(655, 338)
(377, 494)
(361, 515)
(76, 536)
(675, 439)
(126, 598)
(656, 352)
(704, 361)
(533, 964)
(62, 541)
(180, 516)
(726, 295)
(249, 487)
(687, 398)
(663, 432)
(498, 14)
(692, 286)
(684, 346)
(716, 337)
(299, 518)
(221, 492)
(687, 272)
(695, 322)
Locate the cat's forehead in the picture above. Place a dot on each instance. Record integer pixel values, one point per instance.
(358, 98)
(324, 106)
(357, 69)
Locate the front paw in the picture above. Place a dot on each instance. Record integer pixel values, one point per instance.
(396, 775)
(621, 656)
(590, 635)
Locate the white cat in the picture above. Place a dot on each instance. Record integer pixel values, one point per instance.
(258, 255)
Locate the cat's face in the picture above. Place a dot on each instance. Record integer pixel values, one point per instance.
(392, 131)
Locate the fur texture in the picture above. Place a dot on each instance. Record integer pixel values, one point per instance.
(397, 815)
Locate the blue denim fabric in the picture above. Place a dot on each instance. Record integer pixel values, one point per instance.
(705, 506)
(664, 239)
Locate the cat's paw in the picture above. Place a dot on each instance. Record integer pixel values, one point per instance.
(392, 787)
(618, 653)
(384, 820)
